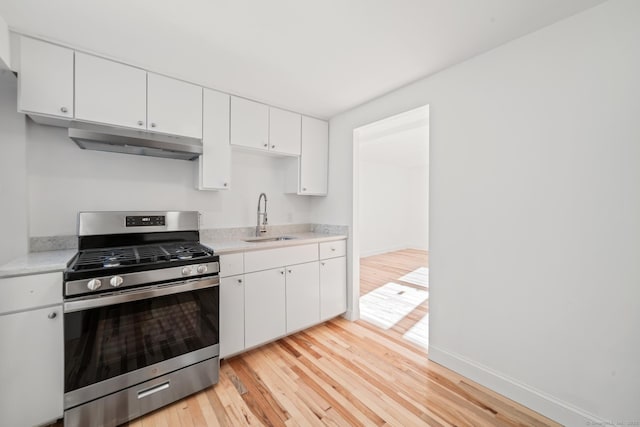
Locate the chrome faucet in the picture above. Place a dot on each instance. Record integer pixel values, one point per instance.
(261, 228)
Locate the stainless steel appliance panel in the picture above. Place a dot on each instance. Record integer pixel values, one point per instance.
(100, 223)
(130, 403)
(106, 342)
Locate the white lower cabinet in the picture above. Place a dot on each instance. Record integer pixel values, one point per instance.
(303, 296)
(282, 290)
(264, 306)
(231, 315)
(333, 287)
(31, 366)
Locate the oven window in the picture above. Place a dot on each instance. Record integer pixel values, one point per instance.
(105, 342)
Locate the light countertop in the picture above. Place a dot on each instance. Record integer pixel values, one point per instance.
(37, 262)
(50, 261)
(231, 246)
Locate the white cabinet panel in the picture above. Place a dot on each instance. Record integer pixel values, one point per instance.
(27, 292)
(174, 106)
(333, 249)
(231, 264)
(231, 315)
(264, 315)
(303, 296)
(284, 132)
(110, 92)
(333, 287)
(271, 258)
(249, 124)
(45, 81)
(215, 162)
(31, 366)
(314, 157)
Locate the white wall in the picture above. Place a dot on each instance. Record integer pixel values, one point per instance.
(418, 208)
(64, 179)
(535, 200)
(393, 205)
(13, 180)
(383, 208)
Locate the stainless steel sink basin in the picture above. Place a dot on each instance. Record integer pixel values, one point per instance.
(269, 239)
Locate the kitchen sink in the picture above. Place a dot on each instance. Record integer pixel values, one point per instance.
(269, 239)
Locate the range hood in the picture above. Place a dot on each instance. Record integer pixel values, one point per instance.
(133, 141)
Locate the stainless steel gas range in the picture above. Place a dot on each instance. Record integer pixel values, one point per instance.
(141, 316)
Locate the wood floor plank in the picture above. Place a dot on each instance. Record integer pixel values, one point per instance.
(343, 373)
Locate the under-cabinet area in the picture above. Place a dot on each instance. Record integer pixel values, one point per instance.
(267, 294)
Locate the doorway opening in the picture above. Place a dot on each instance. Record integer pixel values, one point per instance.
(390, 226)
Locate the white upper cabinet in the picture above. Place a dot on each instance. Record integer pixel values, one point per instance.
(249, 124)
(314, 157)
(109, 92)
(284, 132)
(45, 80)
(174, 106)
(215, 161)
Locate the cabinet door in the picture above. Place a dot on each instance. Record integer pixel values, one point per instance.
(31, 367)
(264, 306)
(249, 124)
(231, 315)
(284, 131)
(215, 161)
(174, 106)
(303, 296)
(333, 287)
(45, 81)
(314, 156)
(109, 92)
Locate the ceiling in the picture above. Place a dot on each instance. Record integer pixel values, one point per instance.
(316, 57)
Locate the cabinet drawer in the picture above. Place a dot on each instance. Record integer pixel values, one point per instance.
(333, 249)
(279, 257)
(231, 264)
(26, 292)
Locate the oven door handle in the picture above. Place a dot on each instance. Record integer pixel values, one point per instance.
(140, 294)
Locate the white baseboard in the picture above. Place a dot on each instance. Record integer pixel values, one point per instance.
(536, 400)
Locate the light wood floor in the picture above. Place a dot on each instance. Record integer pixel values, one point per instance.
(347, 374)
(378, 270)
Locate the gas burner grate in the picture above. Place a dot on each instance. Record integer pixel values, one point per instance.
(184, 251)
(106, 258)
(152, 253)
(95, 259)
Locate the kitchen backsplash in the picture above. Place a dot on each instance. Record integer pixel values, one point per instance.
(54, 243)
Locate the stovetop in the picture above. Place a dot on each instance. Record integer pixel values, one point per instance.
(137, 255)
(127, 259)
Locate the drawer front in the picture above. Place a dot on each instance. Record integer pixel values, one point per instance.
(231, 264)
(333, 249)
(279, 257)
(26, 292)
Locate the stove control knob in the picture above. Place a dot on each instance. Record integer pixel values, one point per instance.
(202, 269)
(116, 281)
(94, 284)
(186, 271)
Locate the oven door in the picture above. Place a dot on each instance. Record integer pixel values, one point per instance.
(118, 340)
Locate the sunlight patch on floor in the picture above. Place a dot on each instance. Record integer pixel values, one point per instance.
(388, 304)
(418, 277)
(419, 333)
